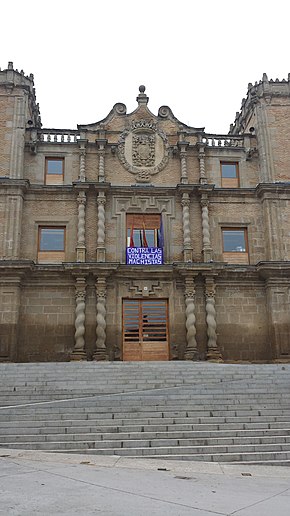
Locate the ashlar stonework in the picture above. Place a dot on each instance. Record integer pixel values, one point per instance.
(214, 209)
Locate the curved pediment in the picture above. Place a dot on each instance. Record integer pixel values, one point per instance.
(119, 119)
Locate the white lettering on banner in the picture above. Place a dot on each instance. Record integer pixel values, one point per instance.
(144, 256)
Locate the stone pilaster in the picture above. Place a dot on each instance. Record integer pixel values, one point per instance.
(187, 245)
(12, 228)
(80, 294)
(183, 161)
(101, 143)
(101, 234)
(81, 243)
(191, 346)
(201, 157)
(213, 351)
(101, 351)
(82, 154)
(206, 243)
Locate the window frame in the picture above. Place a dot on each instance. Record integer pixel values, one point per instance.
(40, 227)
(230, 182)
(47, 175)
(139, 217)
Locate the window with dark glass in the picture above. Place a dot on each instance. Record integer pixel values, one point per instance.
(230, 174)
(51, 239)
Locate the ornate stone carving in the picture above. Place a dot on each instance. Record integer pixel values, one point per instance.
(81, 246)
(191, 347)
(120, 109)
(187, 247)
(80, 295)
(101, 201)
(101, 351)
(143, 149)
(213, 352)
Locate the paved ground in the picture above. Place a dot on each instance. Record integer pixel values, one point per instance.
(61, 484)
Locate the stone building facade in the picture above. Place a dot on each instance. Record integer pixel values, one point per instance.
(141, 238)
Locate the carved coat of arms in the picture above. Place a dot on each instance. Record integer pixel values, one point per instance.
(143, 149)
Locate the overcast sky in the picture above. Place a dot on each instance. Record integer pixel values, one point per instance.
(196, 56)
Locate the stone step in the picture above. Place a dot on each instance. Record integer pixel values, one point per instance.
(144, 449)
(71, 426)
(151, 420)
(121, 440)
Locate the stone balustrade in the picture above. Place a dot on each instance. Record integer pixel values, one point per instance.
(216, 140)
(58, 135)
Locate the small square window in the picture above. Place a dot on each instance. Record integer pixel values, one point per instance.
(54, 170)
(230, 174)
(235, 245)
(51, 244)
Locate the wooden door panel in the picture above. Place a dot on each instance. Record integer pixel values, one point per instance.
(145, 329)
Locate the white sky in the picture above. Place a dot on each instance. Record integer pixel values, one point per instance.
(196, 56)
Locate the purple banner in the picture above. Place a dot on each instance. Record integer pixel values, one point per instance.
(144, 256)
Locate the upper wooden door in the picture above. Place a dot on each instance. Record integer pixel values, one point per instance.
(145, 329)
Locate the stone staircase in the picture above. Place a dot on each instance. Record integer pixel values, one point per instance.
(170, 410)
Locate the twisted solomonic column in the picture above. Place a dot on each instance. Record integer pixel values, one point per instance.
(187, 247)
(191, 347)
(81, 245)
(213, 351)
(101, 166)
(80, 294)
(183, 162)
(82, 173)
(101, 144)
(201, 157)
(206, 245)
(101, 253)
(101, 351)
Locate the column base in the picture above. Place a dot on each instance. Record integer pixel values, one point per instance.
(191, 355)
(100, 355)
(101, 254)
(78, 355)
(214, 356)
(81, 254)
(207, 255)
(187, 255)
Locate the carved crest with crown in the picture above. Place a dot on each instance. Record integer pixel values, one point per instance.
(143, 149)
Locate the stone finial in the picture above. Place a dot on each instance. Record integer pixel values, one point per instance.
(265, 77)
(142, 97)
(10, 65)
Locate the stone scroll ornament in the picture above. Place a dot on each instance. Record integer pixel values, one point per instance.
(143, 149)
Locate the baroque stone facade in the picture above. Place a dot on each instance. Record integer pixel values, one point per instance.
(206, 218)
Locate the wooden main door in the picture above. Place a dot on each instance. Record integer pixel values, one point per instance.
(145, 329)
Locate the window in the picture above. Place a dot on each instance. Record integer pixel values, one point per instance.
(54, 169)
(235, 245)
(144, 231)
(230, 174)
(51, 244)
(145, 240)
